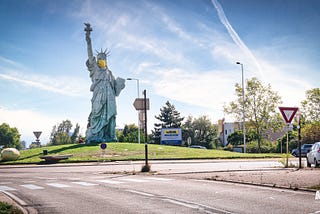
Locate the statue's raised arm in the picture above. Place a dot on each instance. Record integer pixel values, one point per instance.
(88, 29)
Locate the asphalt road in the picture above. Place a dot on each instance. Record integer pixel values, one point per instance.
(100, 188)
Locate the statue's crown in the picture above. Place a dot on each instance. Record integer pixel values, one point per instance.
(103, 54)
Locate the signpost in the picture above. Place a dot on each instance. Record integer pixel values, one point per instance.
(139, 104)
(37, 135)
(142, 104)
(103, 147)
(288, 114)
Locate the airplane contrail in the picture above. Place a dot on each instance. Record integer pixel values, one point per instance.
(234, 35)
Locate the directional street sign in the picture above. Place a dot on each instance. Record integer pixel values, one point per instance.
(288, 113)
(139, 104)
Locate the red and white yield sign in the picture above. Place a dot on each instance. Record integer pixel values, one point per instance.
(288, 113)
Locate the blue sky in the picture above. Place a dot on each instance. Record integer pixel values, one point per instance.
(181, 51)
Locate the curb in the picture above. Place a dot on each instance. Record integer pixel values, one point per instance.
(265, 185)
(17, 202)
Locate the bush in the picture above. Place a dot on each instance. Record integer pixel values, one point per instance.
(229, 147)
(6, 208)
(266, 147)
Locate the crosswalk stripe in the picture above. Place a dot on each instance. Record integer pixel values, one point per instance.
(160, 179)
(58, 185)
(84, 183)
(6, 188)
(31, 186)
(110, 181)
(134, 180)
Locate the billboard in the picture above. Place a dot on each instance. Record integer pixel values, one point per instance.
(171, 136)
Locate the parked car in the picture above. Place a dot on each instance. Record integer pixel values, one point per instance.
(305, 148)
(198, 147)
(313, 157)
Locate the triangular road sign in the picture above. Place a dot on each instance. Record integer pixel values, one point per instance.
(288, 113)
(37, 134)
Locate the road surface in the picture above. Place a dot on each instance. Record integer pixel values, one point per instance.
(95, 189)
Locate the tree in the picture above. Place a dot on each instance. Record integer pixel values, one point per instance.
(130, 134)
(169, 117)
(61, 133)
(236, 138)
(310, 116)
(310, 132)
(9, 137)
(310, 107)
(201, 131)
(75, 135)
(261, 106)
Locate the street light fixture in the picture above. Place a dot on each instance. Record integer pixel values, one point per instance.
(138, 111)
(243, 119)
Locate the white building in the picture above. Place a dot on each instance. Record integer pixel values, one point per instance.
(226, 129)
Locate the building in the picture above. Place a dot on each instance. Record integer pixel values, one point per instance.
(225, 129)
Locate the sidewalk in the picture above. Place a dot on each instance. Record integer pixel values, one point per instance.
(306, 179)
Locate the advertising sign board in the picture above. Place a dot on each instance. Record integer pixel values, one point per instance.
(171, 136)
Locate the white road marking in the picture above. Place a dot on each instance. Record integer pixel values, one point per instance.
(32, 186)
(6, 182)
(160, 179)
(6, 188)
(58, 185)
(134, 180)
(140, 193)
(84, 183)
(110, 181)
(181, 203)
(29, 181)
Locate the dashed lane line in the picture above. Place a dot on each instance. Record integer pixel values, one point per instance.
(6, 188)
(58, 185)
(84, 183)
(32, 186)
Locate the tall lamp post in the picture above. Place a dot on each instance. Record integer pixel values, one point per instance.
(138, 111)
(243, 119)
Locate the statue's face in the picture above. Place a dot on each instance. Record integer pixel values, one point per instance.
(102, 60)
(102, 63)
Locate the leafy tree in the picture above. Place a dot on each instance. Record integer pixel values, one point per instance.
(236, 138)
(261, 106)
(130, 134)
(310, 116)
(9, 137)
(169, 117)
(75, 135)
(282, 142)
(187, 129)
(311, 105)
(60, 133)
(310, 132)
(201, 131)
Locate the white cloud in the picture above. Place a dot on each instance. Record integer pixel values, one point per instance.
(62, 85)
(210, 89)
(234, 35)
(27, 121)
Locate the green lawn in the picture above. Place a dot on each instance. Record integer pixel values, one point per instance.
(6, 208)
(128, 151)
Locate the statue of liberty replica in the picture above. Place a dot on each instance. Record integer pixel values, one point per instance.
(102, 119)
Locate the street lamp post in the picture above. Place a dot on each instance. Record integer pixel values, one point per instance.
(138, 111)
(243, 119)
